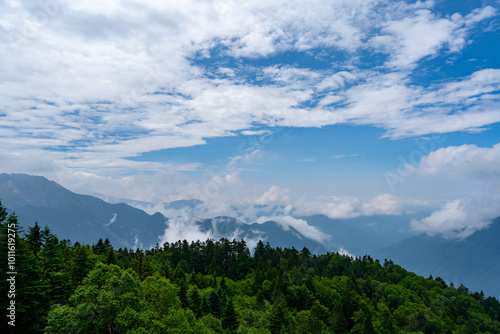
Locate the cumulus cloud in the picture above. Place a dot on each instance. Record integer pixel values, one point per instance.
(385, 204)
(466, 161)
(461, 217)
(274, 195)
(457, 219)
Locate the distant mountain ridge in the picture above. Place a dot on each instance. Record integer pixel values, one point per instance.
(77, 217)
(362, 235)
(229, 227)
(473, 262)
(86, 218)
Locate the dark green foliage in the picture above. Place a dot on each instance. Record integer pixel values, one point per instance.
(141, 265)
(195, 301)
(229, 318)
(277, 320)
(215, 303)
(183, 293)
(64, 288)
(34, 239)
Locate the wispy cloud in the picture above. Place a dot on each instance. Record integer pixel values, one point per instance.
(341, 156)
(112, 220)
(424, 34)
(134, 80)
(287, 221)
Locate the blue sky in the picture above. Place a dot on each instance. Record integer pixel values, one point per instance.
(344, 108)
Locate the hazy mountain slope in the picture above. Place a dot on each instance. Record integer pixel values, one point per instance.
(86, 218)
(77, 217)
(362, 235)
(473, 262)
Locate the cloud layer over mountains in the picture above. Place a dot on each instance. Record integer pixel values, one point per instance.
(88, 88)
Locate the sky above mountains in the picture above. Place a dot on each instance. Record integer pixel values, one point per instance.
(344, 107)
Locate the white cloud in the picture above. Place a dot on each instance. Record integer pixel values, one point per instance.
(414, 38)
(424, 34)
(336, 81)
(181, 225)
(117, 79)
(331, 206)
(461, 217)
(349, 207)
(466, 161)
(256, 133)
(385, 204)
(456, 219)
(404, 110)
(86, 85)
(341, 156)
(112, 220)
(286, 221)
(158, 188)
(274, 195)
(343, 251)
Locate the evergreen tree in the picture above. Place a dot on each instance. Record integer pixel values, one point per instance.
(110, 257)
(34, 238)
(80, 264)
(5, 235)
(195, 301)
(277, 319)
(183, 293)
(141, 265)
(20, 280)
(339, 322)
(214, 303)
(229, 318)
(99, 248)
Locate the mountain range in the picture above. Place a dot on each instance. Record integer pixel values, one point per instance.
(472, 262)
(76, 217)
(84, 218)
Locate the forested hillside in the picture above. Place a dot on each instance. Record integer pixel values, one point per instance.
(220, 287)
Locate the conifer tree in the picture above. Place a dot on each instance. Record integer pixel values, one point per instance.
(277, 319)
(229, 319)
(183, 293)
(214, 303)
(34, 238)
(195, 301)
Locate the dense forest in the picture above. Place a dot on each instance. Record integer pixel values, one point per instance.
(219, 286)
